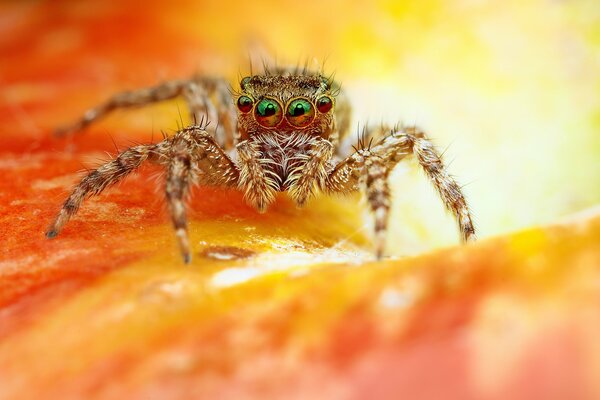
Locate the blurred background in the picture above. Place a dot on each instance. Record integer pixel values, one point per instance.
(509, 90)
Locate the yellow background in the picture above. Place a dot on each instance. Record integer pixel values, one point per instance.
(510, 88)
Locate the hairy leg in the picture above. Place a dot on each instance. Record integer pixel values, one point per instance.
(227, 115)
(367, 136)
(372, 165)
(211, 97)
(311, 172)
(101, 178)
(378, 197)
(343, 117)
(258, 186)
(179, 179)
(190, 156)
(202, 95)
(135, 98)
(446, 186)
(368, 168)
(193, 157)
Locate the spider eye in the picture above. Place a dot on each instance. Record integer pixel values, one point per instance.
(300, 112)
(324, 104)
(245, 81)
(268, 113)
(244, 104)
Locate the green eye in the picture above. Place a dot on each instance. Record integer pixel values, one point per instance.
(245, 81)
(300, 112)
(268, 113)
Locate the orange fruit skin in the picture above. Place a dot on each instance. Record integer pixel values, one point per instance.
(107, 310)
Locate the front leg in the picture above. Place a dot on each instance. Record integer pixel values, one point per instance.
(311, 172)
(180, 175)
(258, 185)
(193, 157)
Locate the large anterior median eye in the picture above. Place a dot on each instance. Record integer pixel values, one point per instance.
(300, 112)
(268, 113)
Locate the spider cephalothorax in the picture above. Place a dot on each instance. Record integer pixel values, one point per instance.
(292, 104)
(285, 130)
(284, 118)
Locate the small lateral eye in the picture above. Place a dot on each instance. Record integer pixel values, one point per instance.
(244, 104)
(245, 81)
(268, 113)
(324, 104)
(300, 112)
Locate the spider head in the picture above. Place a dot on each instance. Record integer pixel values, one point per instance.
(269, 104)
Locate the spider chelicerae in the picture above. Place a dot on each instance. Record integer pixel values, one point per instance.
(285, 130)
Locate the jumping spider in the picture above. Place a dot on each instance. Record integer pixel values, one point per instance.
(284, 131)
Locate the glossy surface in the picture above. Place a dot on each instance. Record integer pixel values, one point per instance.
(268, 113)
(300, 112)
(244, 104)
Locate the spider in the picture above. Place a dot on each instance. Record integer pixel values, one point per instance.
(285, 130)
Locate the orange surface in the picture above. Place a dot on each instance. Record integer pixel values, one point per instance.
(107, 310)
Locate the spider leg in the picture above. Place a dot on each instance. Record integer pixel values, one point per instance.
(190, 156)
(378, 197)
(202, 95)
(227, 115)
(179, 178)
(310, 172)
(258, 185)
(136, 98)
(343, 117)
(211, 96)
(99, 179)
(193, 157)
(446, 186)
(368, 167)
(372, 166)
